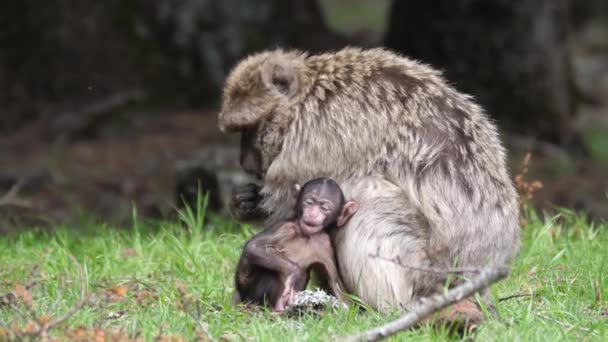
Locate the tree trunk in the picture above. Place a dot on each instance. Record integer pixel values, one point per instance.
(61, 55)
(512, 55)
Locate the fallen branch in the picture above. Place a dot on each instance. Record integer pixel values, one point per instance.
(203, 325)
(484, 279)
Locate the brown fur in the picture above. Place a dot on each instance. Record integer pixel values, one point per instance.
(423, 160)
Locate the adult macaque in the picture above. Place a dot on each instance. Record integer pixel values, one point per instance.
(275, 263)
(424, 162)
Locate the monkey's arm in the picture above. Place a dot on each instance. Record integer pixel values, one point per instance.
(265, 250)
(245, 204)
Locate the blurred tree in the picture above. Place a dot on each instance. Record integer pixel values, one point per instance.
(204, 38)
(58, 51)
(584, 11)
(511, 54)
(60, 55)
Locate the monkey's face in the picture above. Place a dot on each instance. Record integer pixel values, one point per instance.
(260, 144)
(258, 88)
(316, 212)
(258, 102)
(251, 156)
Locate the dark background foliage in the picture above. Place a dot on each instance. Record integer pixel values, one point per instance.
(105, 104)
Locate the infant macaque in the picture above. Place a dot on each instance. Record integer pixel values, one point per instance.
(275, 263)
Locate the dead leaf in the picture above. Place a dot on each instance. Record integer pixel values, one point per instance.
(30, 327)
(44, 319)
(532, 271)
(100, 335)
(119, 290)
(146, 296)
(22, 293)
(79, 334)
(129, 252)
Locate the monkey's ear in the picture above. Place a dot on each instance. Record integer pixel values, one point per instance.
(281, 76)
(296, 190)
(348, 210)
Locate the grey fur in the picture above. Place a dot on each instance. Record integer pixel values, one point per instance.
(423, 160)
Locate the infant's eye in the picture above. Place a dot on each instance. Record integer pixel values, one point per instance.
(324, 208)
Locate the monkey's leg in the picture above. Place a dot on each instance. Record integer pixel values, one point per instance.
(326, 268)
(385, 226)
(260, 253)
(330, 282)
(293, 283)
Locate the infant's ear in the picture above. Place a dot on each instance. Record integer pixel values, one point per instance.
(348, 210)
(296, 192)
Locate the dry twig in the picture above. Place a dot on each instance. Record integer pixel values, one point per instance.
(517, 295)
(433, 304)
(186, 307)
(525, 188)
(11, 196)
(202, 324)
(43, 329)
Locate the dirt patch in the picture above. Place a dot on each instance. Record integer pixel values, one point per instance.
(125, 163)
(133, 159)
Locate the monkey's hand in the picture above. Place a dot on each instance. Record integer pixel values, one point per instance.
(245, 203)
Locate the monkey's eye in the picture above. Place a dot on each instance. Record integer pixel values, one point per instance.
(281, 84)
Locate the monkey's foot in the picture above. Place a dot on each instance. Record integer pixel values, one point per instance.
(285, 299)
(460, 317)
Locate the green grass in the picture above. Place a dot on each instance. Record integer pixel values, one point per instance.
(596, 139)
(155, 269)
(351, 15)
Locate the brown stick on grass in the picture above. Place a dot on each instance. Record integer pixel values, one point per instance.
(484, 279)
